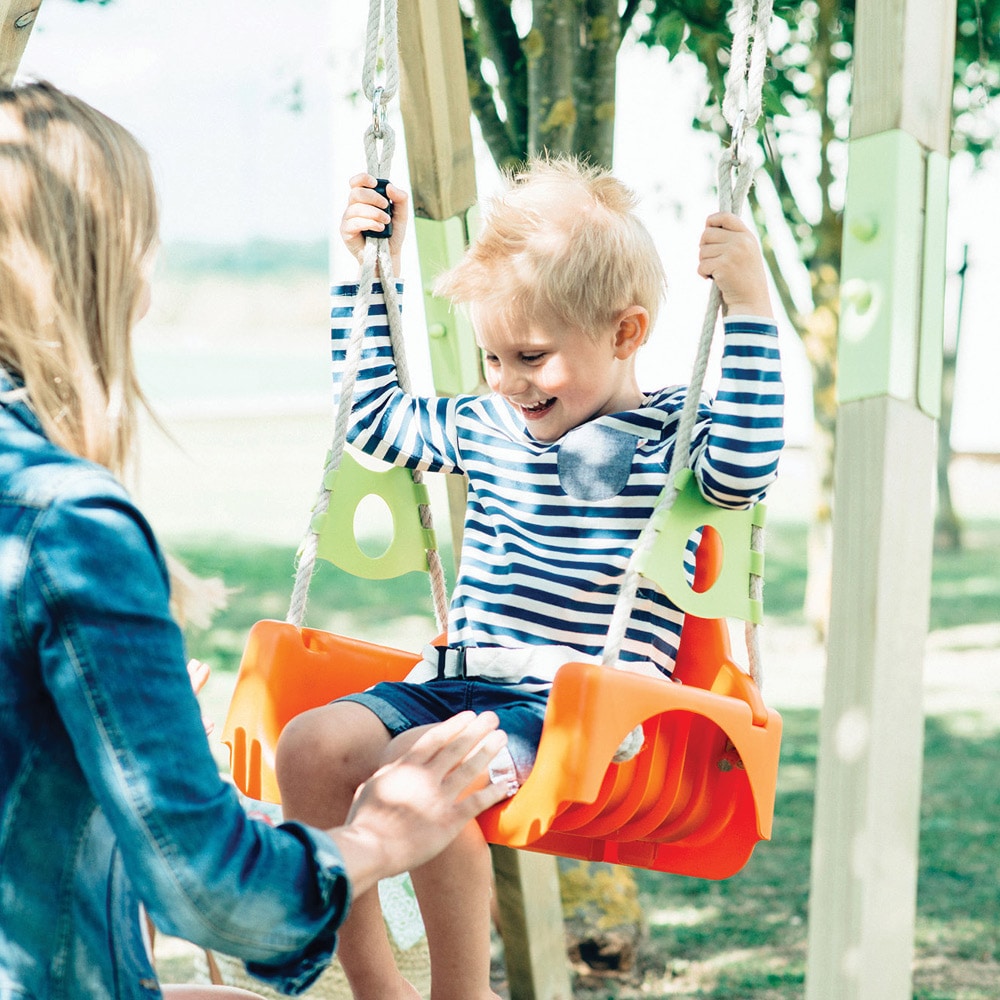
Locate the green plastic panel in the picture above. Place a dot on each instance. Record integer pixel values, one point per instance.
(455, 363)
(881, 272)
(349, 486)
(729, 596)
(931, 356)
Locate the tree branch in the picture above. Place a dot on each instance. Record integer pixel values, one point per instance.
(628, 15)
(498, 135)
(773, 265)
(551, 49)
(501, 44)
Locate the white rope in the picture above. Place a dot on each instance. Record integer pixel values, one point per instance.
(742, 108)
(379, 140)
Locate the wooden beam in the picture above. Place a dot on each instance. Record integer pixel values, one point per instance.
(531, 925)
(902, 68)
(434, 98)
(862, 907)
(862, 903)
(17, 18)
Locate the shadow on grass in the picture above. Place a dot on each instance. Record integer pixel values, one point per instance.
(746, 936)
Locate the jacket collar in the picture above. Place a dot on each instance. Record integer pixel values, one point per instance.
(14, 400)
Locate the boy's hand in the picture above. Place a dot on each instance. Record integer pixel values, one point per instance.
(730, 255)
(367, 210)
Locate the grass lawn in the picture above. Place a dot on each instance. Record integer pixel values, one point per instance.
(744, 937)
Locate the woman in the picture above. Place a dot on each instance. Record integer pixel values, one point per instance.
(109, 797)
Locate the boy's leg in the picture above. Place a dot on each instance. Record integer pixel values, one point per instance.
(322, 757)
(454, 891)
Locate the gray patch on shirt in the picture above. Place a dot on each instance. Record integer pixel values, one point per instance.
(595, 461)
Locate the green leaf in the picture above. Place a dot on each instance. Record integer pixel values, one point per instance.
(670, 32)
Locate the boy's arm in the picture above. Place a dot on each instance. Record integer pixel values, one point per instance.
(385, 422)
(740, 434)
(738, 441)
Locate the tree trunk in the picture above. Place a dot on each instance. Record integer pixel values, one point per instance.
(551, 48)
(947, 527)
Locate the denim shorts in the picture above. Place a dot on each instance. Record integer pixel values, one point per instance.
(520, 707)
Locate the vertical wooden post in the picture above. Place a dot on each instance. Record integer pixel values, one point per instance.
(866, 831)
(16, 20)
(434, 99)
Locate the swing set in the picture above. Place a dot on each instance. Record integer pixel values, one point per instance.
(699, 795)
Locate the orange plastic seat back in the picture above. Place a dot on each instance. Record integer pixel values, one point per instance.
(285, 671)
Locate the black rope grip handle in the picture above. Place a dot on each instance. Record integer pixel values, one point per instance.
(380, 187)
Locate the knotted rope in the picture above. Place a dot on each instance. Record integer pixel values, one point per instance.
(379, 142)
(741, 107)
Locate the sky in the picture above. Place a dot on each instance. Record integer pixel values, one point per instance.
(246, 109)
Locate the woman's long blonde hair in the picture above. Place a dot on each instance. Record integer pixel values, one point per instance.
(78, 229)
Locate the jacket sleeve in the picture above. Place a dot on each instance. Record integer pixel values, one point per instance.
(96, 590)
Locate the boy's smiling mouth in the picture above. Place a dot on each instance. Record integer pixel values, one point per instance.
(536, 410)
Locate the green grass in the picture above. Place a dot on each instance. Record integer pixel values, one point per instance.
(744, 937)
(748, 933)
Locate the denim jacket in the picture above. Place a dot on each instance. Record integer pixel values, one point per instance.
(109, 795)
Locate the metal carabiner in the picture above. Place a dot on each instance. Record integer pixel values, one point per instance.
(378, 114)
(738, 134)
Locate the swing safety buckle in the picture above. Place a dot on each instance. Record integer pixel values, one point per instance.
(450, 661)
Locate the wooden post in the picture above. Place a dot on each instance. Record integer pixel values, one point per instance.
(434, 99)
(16, 20)
(866, 830)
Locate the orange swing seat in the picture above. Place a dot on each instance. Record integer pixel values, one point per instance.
(694, 801)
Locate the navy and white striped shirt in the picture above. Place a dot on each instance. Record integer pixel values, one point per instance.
(550, 525)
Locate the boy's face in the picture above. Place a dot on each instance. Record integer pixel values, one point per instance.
(557, 378)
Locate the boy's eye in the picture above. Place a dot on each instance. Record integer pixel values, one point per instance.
(531, 358)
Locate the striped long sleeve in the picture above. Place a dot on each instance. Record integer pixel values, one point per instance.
(550, 525)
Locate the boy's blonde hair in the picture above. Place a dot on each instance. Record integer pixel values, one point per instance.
(563, 243)
(78, 228)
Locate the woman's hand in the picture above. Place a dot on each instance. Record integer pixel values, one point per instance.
(411, 809)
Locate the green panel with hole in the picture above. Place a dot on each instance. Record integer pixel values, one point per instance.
(729, 596)
(892, 271)
(349, 485)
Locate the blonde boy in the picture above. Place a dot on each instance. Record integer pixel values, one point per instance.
(564, 461)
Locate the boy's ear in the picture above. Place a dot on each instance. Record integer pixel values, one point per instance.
(631, 331)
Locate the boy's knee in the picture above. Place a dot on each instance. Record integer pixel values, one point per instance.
(328, 747)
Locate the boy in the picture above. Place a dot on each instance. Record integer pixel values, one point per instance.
(565, 461)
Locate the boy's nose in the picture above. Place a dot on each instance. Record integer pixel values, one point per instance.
(512, 382)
